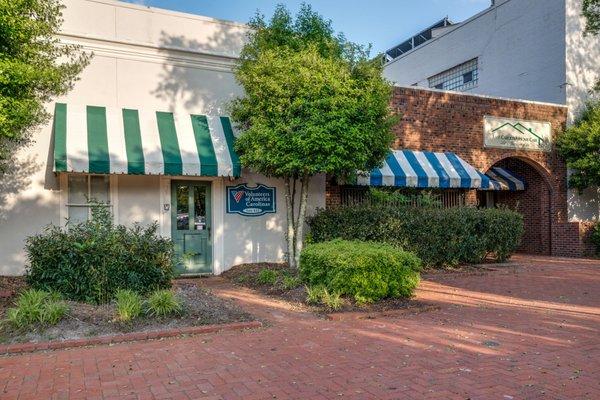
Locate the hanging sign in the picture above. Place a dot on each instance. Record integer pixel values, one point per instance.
(509, 133)
(251, 201)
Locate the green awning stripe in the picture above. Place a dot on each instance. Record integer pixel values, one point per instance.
(230, 138)
(97, 140)
(206, 151)
(169, 144)
(133, 142)
(60, 137)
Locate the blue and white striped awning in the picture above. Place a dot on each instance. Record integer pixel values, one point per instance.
(110, 140)
(428, 170)
(503, 179)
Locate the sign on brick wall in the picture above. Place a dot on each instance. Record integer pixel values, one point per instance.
(509, 133)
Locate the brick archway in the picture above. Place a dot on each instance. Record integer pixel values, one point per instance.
(535, 203)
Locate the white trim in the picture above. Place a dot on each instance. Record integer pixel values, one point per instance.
(165, 198)
(64, 198)
(113, 182)
(142, 52)
(218, 226)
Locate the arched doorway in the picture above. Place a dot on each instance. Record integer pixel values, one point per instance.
(535, 203)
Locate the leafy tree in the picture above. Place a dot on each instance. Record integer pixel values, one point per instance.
(314, 103)
(34, 67)
(591, 12)
(579, 145)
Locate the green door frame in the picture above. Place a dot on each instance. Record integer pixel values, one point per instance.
(193, 247)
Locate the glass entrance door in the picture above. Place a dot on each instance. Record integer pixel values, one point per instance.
(190, 226)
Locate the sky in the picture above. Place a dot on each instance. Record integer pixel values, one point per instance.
(383, 23)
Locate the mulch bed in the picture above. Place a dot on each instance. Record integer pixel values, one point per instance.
(245, 275)
(200, 307)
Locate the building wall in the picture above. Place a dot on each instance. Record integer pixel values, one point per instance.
(583, 70)
(144, 58)
(446, 121)
(527, 49)
(520, 45)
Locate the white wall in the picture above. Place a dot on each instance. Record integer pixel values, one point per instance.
(519, 44)
(583, 70)
(153, 59)
(260, 239)
(143, 58)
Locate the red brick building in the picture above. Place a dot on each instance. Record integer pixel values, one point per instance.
(443, 121)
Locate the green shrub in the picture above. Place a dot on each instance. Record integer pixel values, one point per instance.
(90, 261)
(595, 237)
(36, 306)
(267, 276)
(365, 271)
(162, 303)
(438, 236)
(129, 305)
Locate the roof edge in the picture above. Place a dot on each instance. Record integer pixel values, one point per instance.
(483, 96)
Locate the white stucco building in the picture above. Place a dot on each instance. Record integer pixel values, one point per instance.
(521, 49)
(153, 64)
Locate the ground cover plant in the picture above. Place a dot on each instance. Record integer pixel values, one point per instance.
(439, 237)
(92, 260)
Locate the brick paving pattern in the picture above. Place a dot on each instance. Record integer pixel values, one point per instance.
(530, 332)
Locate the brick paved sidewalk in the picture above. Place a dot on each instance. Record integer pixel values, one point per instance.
(530, 332)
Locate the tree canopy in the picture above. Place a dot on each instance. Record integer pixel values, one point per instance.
(313, 103)
(579, 145)
(591, 12)
(34, 67)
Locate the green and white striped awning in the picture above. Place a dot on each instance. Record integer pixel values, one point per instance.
(104, 140)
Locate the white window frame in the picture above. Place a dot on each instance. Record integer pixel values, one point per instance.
(64, 197)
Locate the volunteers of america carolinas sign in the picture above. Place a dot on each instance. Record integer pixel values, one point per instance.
(509, 133)
(251, 201)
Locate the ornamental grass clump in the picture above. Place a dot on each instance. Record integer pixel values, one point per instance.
(365, 271)
(128, 304)
(36, 307)
(162, 303)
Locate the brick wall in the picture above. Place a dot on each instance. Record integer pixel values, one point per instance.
(442, 121)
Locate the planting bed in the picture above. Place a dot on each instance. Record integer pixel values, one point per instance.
(247, 275)
(200, 307)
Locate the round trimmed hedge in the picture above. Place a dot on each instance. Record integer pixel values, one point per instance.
(364, 270)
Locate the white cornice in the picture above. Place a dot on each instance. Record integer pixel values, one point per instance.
(151, 53)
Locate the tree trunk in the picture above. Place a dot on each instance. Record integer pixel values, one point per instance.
(290, 236)
(301, 218)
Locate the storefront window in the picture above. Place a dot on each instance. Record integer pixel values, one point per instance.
(82, 190)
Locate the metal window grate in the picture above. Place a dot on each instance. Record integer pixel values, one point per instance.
(462, 77)
(355, 195)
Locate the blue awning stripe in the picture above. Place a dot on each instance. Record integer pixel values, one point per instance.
(427, 170)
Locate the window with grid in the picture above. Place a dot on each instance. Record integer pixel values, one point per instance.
(462, 77)
(448, 198)
(83, 188)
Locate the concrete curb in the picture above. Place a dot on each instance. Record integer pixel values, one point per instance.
(17, 348)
